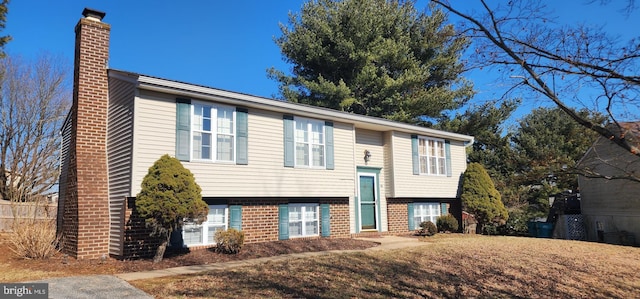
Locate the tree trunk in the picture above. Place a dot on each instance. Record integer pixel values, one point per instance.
(161, 249)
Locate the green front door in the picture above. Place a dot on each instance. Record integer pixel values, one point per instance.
(367, 202)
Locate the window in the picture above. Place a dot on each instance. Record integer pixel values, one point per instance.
(202, 234)
(209, 124)
(425, 212)
(310, 143)
(432, 156)
(303, 220)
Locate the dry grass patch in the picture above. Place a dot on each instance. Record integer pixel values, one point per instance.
(16, 269)
(450, 266)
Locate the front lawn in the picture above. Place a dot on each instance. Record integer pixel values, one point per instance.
(450, 266)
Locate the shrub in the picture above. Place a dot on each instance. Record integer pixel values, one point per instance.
(169, 194)
(428, 228)
(447, 223)
(229, 241)
(480, 196)
(34, 239)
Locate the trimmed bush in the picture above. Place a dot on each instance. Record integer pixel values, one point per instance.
(427, 228)
(447, 223)
(34, 239)
(229, 241)
(168, 195)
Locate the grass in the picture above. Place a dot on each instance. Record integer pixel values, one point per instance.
(449, 266)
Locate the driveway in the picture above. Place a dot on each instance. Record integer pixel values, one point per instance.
(93, 286)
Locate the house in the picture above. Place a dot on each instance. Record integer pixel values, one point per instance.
(610, 205)
(273, 169)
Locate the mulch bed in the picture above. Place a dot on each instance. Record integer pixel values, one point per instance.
(71, 266)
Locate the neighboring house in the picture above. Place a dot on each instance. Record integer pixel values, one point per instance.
(610, 205)
(273, 169)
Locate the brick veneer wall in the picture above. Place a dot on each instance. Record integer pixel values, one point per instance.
(398, 215)
(85, 225)
(260, 217)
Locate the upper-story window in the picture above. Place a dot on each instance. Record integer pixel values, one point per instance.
(432, 156)
(310, 142)
(212, 132)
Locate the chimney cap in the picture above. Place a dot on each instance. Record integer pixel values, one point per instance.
(92, 13)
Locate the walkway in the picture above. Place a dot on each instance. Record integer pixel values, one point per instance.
(386, 242)
(109, 287)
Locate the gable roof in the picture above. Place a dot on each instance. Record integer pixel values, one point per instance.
(249, 101)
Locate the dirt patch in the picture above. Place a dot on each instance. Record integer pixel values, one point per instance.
(60, 265)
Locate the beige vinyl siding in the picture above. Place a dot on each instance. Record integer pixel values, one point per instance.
(119, 147)
(406, 184)
(373, 141)
(265, 174)
(153, 131)
(388, 164)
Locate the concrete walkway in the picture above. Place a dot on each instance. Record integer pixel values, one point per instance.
(386, 243)
(110, 287)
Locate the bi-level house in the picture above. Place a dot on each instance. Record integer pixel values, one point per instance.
(273, 169)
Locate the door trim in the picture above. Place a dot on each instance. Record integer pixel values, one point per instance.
(369, 172)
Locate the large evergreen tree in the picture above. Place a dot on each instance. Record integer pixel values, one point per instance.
(169, 194)
(549, 144)
(374, 57)
(480, 197)
(3, 19)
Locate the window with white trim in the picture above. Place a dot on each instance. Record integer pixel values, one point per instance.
(212, 132)
(427, 211)
(194, 234)
(432, 156)
(310, 143)
(303, 220)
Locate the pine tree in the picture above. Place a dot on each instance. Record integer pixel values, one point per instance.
(373, 57)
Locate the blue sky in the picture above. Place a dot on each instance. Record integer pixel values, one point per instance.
(222, 44)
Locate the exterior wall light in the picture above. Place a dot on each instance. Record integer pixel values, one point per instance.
(367, 156)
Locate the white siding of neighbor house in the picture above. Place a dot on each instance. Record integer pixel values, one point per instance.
(374, 142)
(265, 174)
(119, 147)
(406, 184)
(613, 203)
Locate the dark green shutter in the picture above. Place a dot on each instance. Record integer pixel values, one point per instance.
(447, 150)
(289, 142)
(415, 158)
(412, 225)
(242, 136)
(283, 222)
(443, 207)
(326, 219)
(235, 217)
(328, 133)
(183, 128)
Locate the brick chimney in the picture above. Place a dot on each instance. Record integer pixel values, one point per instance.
(85, 223)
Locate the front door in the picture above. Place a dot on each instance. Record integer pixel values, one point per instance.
(367, 202)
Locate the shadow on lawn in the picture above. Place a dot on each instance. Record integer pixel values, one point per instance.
(414, 273)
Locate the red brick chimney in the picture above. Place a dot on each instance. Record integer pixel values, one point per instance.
(85, 223)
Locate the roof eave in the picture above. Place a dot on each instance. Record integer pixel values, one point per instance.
(250, 101)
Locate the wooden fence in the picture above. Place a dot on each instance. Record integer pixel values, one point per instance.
(28, 210)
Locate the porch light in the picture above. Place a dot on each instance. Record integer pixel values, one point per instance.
(367, 156)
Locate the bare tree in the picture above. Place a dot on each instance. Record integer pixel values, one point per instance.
(573, 66)
(35, 98)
